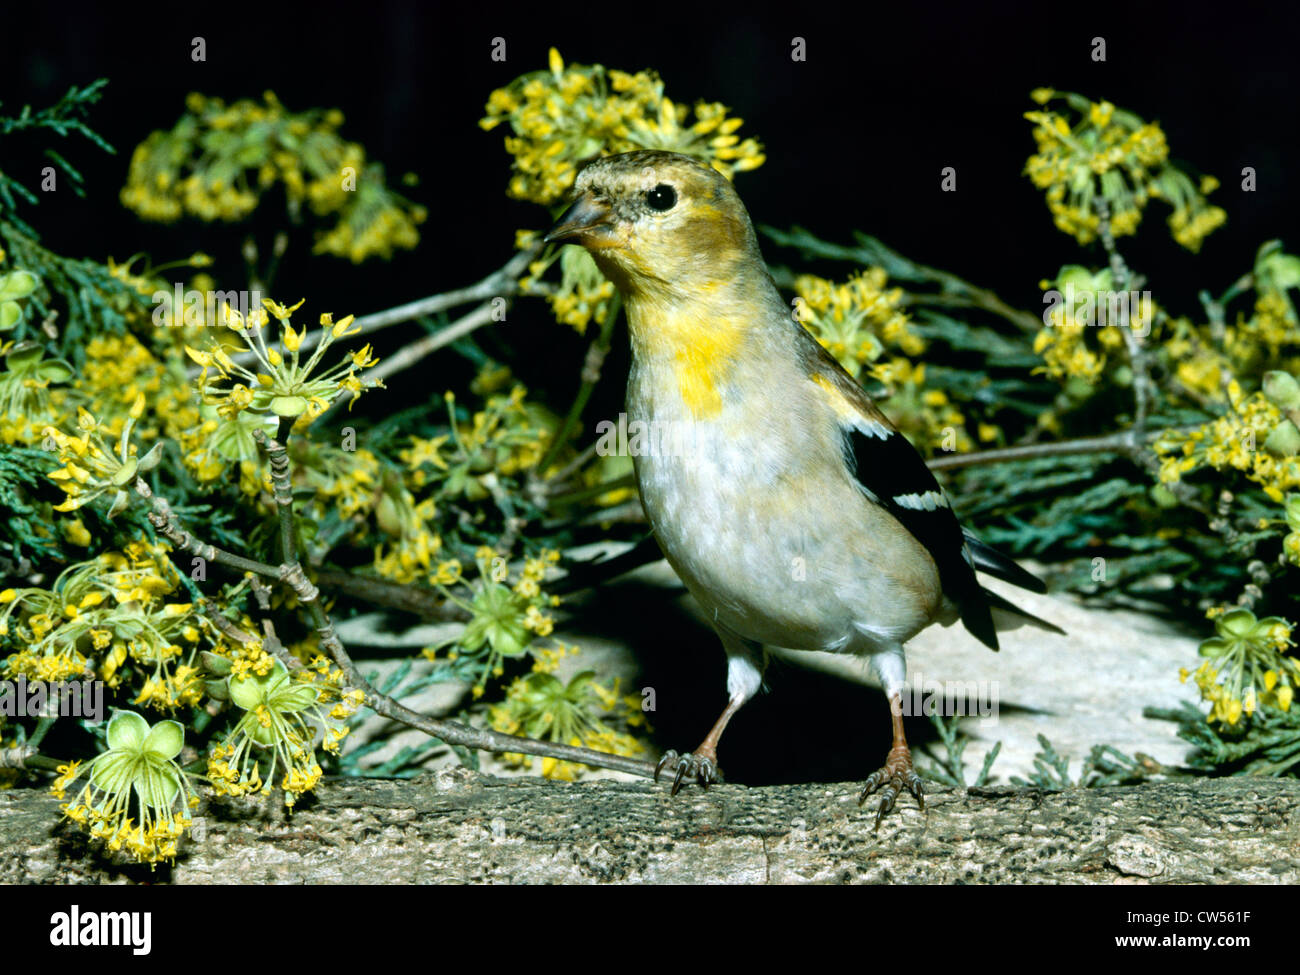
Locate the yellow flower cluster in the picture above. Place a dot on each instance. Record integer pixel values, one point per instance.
(218, 161)
(566, 115)
(151, 842)
(857, 321)
(118, 370)
(373, 225)
(137, 774)
(1260, 338)
(580, 713)
(281, 711)
(1233, 441)
(408, 553)
(32, 394)
(1066, 355)
(353, 485)
(101, 615)
(1110, 156)
(1198, 369)
(285, 384)
(927, 417)
(505, 615)
(1080, 335)
(861, 323)
(509, 435)
(583, 295)
(1247, 665)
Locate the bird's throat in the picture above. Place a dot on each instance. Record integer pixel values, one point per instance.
(696, 354)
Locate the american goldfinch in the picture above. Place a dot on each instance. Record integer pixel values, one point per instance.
(790, 506)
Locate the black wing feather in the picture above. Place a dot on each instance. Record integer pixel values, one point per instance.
(890, 468)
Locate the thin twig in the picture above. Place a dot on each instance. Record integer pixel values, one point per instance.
(556, 481)
(413, 352)
(501, 283)
(164, 520)
(591, 371)
(408, 597)
(1128, 443)
(454, 733)
(1143, 387)
(595, 490)
(1125, 442)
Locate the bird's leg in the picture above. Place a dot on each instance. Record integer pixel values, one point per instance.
(703, 762)
(745, 664)
(897, 773)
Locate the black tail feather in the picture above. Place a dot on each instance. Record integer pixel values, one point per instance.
(997, 603)
(989, 560)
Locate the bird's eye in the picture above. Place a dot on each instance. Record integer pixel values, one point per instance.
(662, 197)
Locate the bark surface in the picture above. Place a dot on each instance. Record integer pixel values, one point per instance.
(461, 827)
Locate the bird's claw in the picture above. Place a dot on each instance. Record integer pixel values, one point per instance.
(890, 780)
(703, 767)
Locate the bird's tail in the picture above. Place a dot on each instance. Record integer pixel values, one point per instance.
(990, 561)
(1005, 615)
(1008, 616)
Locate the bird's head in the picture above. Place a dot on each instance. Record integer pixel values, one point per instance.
(659, 223)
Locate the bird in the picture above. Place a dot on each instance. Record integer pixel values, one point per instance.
(787, 502)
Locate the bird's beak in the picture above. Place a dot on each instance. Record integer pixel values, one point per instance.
(585, 222)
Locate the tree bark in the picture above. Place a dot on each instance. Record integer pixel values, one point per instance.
(461, 827)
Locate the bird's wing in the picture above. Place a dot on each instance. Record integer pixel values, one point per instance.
(895, 476)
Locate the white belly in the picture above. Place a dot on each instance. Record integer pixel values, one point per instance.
(769, 535)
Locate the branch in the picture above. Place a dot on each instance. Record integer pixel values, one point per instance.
(1126, 442)
(407, 597)
(501, 283)
(1143, 386)
(413, 352)
(456, 826)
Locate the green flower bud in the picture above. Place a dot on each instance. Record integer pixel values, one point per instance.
(11, 313)
(125, 474)
(1282, 390)
(23, 355)
(55, 371)
(17, 284)
(141, 757)
(288, 406)
(1284, 269)
(215, 664)
(1164, 497)
(1236, 624)
(1283, 440)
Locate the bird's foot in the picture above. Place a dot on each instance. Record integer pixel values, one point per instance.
(702, 763)
(891, 779)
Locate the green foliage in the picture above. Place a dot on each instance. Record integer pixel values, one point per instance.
(64, 118)
(25, 537)
(1104, 765)
(950, 770)
(1268, 744)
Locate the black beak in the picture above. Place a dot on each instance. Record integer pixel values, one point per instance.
(585, 215)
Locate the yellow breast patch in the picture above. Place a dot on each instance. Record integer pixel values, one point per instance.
(701, 353)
